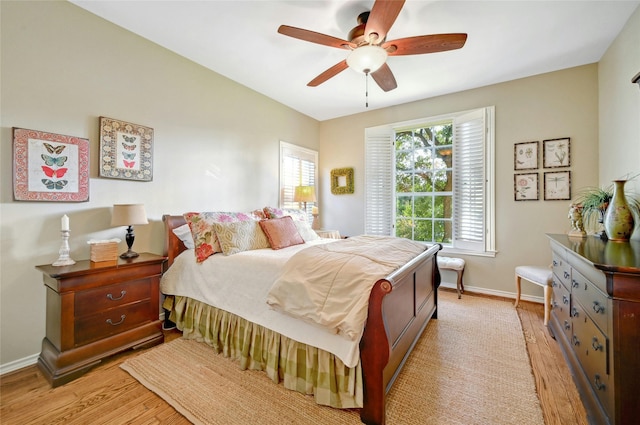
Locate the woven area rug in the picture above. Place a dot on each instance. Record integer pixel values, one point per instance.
(469, 367)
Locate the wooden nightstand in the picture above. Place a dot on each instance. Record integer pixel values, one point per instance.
(95, 310)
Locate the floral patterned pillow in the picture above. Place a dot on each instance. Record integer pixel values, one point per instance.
(204, 235)
(299, 219)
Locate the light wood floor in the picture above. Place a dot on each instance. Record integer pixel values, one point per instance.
(107, 394)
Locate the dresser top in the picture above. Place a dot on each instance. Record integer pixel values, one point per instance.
(605, 255)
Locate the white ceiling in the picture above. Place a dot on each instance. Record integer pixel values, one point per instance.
(506, 40)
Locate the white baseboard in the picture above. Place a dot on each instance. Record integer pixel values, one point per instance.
(504, 294)
(19, 364)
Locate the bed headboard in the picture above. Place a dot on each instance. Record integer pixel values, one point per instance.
(172, 244)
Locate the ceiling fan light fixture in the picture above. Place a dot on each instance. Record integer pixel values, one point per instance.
(367, 59)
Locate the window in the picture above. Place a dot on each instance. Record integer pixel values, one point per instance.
(298, 167)
(431, 180)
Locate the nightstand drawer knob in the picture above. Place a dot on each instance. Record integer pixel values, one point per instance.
(122, 294)
(109, 321)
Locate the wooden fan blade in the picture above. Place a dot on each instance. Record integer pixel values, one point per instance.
(384, 77)
(331, 72)
(315, 37)
(383, 15)
(425, 44)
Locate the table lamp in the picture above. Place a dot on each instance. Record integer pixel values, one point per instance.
(304, 194)
(128, 215)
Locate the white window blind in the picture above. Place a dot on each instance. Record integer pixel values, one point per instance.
(378, 171)
(298, 167)
(469, 180)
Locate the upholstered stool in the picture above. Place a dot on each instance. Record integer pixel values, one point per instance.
(455, 264)
(541, 276)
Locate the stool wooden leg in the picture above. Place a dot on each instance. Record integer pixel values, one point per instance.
(459, 286)
(547, 303)
(517, 290)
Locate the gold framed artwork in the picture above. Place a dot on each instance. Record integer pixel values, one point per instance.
(526, 187)
(50, 167)
(557, 185)
(525, 156)
(342, 181)
(556, 152)
(126, 150)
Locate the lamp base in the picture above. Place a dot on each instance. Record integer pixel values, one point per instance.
(128, 254)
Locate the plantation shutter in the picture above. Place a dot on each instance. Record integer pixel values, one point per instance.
(298, 167)
(469, 180)
(378, 177)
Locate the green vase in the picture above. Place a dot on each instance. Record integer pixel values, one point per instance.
(618, 219)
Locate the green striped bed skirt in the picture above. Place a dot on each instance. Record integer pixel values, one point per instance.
(299, 367)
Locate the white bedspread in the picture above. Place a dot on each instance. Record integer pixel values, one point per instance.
(240, 283)
(330, 284)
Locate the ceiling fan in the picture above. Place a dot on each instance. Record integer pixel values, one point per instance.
(368, 45)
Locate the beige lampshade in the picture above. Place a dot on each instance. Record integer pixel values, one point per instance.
(304, 194)
(128, 215)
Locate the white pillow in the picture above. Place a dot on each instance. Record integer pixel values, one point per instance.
(184, 234)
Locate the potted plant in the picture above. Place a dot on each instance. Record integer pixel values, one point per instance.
(594, 201)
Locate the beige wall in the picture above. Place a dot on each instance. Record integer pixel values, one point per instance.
(558, 104)
(216, 143)
(619, 148)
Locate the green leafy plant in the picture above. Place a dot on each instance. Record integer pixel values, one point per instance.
(595, 200)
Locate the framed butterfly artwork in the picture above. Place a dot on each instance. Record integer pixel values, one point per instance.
(50, 167)
(126, 150)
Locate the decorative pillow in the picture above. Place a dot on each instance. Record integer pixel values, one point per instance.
(296, 215)
(204, 236)
(281, 232)
(184, 234)
(240, 236)
(299, 218)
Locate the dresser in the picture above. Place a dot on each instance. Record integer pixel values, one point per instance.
(595, 318)
(95, 310)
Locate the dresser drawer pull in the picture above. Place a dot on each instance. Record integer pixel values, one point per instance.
(555, 263)
(565, 300)
(599, 385)
(566, 275)
(575, 283)
(567, 325)
(597, 307)
(554, 284)
(576, 341)
(574, 312)
(109, 321)
(596, 346)
(122, 294)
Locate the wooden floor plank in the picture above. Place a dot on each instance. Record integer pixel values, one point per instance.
(111, 395)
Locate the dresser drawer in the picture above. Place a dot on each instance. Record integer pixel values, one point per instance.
(592, 349)
(561, 306)
(107, 297)
(596, 304)
(111, 322)
(561, 268)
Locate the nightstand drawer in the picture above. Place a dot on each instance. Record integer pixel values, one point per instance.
(111, 322)
(112, 296)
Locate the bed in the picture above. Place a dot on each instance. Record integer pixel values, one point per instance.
(398, 309)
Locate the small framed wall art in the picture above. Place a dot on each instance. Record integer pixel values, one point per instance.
(50, 167)
(342, 181)
(557, 185)
(525, 187)
(525, 156)
(556, 153)
(126, 150)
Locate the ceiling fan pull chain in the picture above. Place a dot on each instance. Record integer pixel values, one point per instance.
(366, 90)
